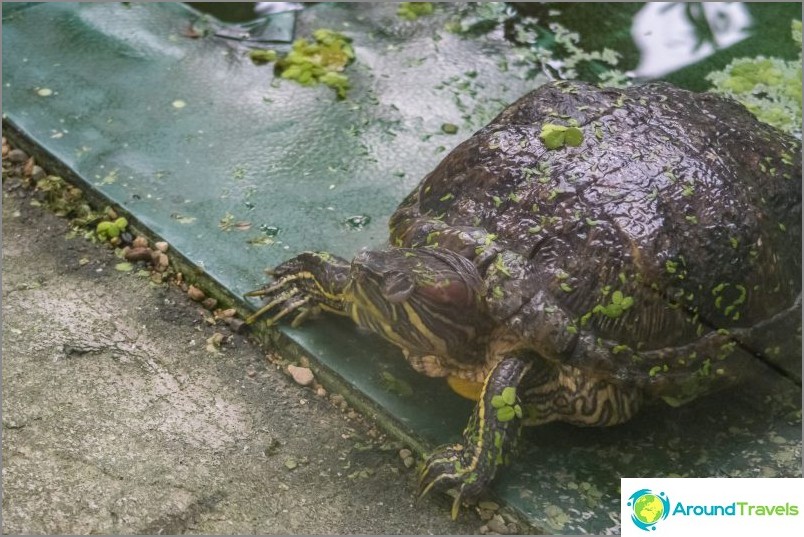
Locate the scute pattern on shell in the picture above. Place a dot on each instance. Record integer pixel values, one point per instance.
(680, 203)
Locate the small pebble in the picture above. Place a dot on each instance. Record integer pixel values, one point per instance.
(409, 462)
(216, 339)
(405, 453)
(27, 168)
(251, 372)
(162, 246)
(497, 525)
(137, 254)
(491, 506)
(17, 156)
(140, 242)
(321, 392)
(37, 173)
(195, 293)
(301, 375)
(163, 262)
(209, 303)
(236, 325)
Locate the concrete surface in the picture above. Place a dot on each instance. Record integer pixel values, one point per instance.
(117, 419)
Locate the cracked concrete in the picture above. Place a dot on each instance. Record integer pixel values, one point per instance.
(116, 419)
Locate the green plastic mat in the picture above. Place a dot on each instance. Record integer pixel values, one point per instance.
(153, 111)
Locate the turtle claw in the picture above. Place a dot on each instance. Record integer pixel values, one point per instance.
(451, 468)
(304, 284)
(288, 307)
(285, 298)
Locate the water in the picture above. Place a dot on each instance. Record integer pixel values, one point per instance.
(243, 11)
(674, 41)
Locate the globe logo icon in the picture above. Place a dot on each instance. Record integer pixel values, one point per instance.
(648, 508)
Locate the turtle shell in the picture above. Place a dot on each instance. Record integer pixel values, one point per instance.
(677, 215)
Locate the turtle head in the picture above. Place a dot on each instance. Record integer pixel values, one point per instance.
(425, 300)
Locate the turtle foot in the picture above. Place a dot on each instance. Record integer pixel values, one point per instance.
(453, 467)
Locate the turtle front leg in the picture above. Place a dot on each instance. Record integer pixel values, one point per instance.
(488, 439)
(306, 283)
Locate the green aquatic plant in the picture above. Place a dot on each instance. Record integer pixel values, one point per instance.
(107, 230)
(770, 88)
(413, 10)
(259, 56)
(542, 43)
(557, 136)
(320, 61)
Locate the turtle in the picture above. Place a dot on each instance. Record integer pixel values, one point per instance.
(588, 250)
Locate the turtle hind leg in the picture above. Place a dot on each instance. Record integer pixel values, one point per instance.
(565, 393)
(488, 438)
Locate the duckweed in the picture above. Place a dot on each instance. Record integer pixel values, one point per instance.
(505, 404)
(319, 62)
(260, 56)
(769, 87)
(557, 136)
(109, 230)
(619, 304)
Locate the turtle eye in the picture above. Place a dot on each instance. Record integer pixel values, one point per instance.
(396, 286)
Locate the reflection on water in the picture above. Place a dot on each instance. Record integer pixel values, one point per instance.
(671, 35)
(269, 8)
(244, 11)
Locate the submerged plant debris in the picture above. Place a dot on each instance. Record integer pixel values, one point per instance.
(413, 10)
(769, 87)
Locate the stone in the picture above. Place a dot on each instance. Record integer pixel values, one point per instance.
(301, 375)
